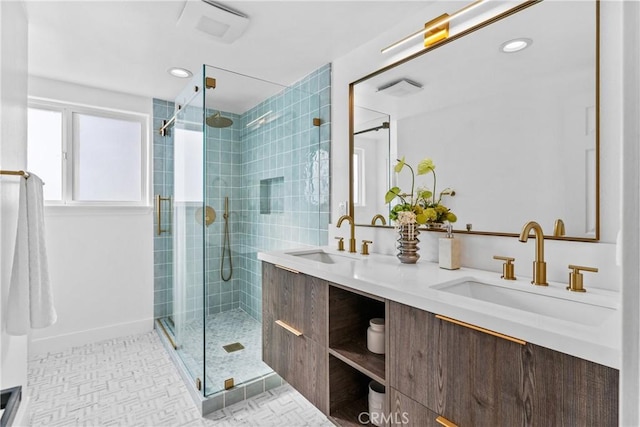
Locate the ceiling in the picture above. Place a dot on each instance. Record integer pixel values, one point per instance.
(128, 46)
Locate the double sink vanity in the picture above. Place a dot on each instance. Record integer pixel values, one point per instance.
(463, 347)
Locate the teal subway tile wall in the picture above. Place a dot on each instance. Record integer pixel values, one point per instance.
(285, 171)
(162, 185)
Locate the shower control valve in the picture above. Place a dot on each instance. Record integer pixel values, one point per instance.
(340, 243)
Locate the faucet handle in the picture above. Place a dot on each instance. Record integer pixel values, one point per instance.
(575, 277)
(508, 269)
(340, 243)
(365, 247)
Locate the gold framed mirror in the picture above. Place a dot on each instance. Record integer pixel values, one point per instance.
(515, 134)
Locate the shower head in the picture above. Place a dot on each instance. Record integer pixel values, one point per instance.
(217, 121)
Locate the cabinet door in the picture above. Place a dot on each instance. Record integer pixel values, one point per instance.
(407, 412)
(567, 390)
(296, 299)
(300, 361)
(473, 378)
(300, 302)
(468, 377)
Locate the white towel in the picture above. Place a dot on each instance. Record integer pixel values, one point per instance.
(30, 295)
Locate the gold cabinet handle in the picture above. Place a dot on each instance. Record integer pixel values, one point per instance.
(445, 422)
(291, 329)
(290, 270)
(479, 329)
(159, 200)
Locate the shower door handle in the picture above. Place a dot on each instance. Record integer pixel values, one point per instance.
(159, 200)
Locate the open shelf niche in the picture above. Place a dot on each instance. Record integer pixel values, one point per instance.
(351, 365)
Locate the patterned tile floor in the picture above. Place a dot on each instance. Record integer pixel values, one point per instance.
(131, 381)
(222, 329)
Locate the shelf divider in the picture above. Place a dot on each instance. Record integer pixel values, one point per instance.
(355, 354)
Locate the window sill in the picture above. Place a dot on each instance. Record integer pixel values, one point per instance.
(63, 210)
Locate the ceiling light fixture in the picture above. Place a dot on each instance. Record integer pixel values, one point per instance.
(183, 73)
(515, 45)
(434, 24)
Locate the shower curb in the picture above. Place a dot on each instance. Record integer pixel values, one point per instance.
(224, 398)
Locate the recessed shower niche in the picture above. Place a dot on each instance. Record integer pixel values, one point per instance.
(272, 195)
(244, 147)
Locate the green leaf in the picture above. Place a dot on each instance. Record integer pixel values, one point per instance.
(399, 165)
(425, 194)
(392, 194)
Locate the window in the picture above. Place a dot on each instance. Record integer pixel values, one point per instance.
(358, 177)
(188, 165)
(88, 156)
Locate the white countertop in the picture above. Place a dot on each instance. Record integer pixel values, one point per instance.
(594, 334)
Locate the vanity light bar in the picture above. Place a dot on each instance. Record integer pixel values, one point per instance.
(435, 24)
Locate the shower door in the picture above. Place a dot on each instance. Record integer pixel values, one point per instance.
(266, 178)
(188, 234)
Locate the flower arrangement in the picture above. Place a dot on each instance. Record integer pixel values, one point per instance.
(421, 207)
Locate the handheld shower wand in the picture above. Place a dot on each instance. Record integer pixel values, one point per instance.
(226, 243)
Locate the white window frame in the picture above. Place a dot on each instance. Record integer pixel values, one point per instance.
(69, 143)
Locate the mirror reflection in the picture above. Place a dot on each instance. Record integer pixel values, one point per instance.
(513, 132)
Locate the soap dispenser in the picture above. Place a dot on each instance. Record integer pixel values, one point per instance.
(449, 254)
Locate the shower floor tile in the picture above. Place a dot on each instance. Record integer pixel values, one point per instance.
(229, 327)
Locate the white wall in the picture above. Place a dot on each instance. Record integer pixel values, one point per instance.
(100, 259)
(13, 155)
(630, 163)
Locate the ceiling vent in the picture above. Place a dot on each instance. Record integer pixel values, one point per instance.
(402, 87)
(213, 19)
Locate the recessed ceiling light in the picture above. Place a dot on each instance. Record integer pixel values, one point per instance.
(515, 45)
(183, 73)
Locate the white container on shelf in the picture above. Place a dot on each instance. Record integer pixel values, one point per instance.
(376, 403)
(375, 335)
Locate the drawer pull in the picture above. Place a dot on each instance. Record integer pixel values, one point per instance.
(445, 422)
(479, 329)
(294, 331)
(282, 267)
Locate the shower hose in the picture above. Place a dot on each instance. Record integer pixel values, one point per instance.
(226, 244)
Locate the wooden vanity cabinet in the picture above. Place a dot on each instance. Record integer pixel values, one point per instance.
(435, 371)
(474, 379)
(295, 332)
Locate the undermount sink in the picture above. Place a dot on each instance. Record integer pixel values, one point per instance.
(320, 255)
(545, 305)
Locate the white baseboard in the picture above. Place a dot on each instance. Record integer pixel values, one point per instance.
(62, 342)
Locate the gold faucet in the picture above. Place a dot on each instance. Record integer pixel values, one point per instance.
(352, 240)
(539, 266)
(558, 228)
(378, 217)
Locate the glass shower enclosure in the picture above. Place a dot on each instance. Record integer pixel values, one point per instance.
(250, 173)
